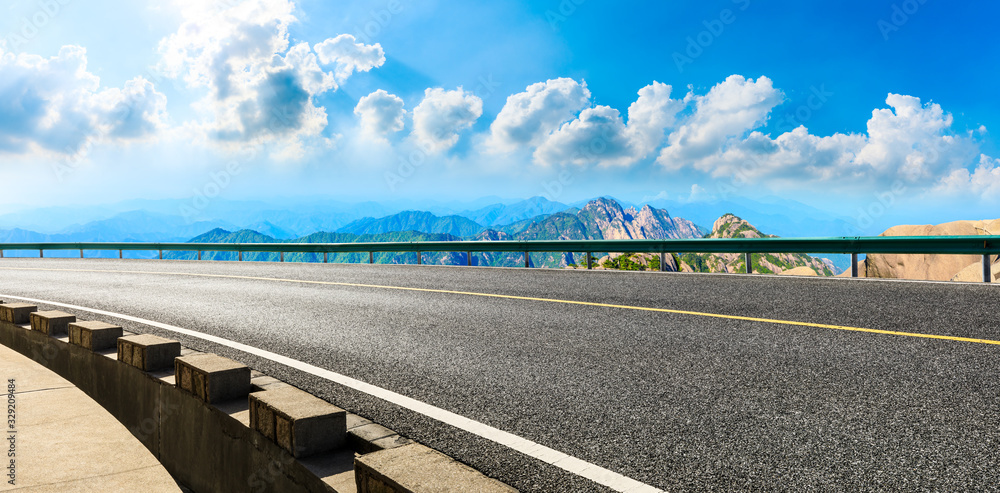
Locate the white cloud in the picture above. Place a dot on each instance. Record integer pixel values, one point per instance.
(529, 117)
(381, 113)
(600, 136)
(699, 194)
(439, 118)
(56, 105)
(912, 140)
(349, 55)
(259, 87)
(982, 183)
(596, 136)
(729, 110)
(650, 115)
(910, 143)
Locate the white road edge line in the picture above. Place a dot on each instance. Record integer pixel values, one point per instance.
(527, 447)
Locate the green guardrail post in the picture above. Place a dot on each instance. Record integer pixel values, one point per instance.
(371, 257)
(589, 261)
(749, 259)
(987, 268)
(326, 259)
(854, 265)
(419, 259)
(527, 260)
(468, 258)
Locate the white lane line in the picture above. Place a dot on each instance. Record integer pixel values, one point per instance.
(527, 447)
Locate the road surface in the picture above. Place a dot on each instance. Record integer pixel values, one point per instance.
(674, 381)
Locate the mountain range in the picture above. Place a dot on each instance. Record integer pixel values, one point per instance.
(601, 218)
(489, 218)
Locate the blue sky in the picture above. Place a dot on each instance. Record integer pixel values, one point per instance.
(839, 105)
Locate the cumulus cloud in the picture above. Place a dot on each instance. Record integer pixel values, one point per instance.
(442, 115)
(908, 142)
(349, 55)
(381, 113)
(259, 87)
(600, 136)
(529, 117)
(730, 109)
(912, 140)
(597, 135)
(982, 183)
(55, 104)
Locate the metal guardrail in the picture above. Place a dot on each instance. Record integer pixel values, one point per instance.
(953, 245)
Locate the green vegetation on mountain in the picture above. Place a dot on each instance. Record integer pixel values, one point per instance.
(731, 226)
(600, 219)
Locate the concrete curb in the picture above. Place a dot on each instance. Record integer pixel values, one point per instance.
(217, 426)
(416, 468)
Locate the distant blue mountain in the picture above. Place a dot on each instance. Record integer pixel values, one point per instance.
(424, 222)
(500, 214)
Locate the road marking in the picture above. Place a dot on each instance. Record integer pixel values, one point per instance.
(544, 300)
(527, 447)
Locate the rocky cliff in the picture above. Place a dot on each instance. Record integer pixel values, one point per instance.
(731, 226)
(600, 219)
(932, 267)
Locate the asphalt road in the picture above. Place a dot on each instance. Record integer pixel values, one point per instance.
(678, 401)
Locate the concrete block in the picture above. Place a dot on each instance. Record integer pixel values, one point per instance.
(16, 313)
(51, 322)
(95, 336)
(298, 422)
(148, 352)
(371, 437)
(211, 377)
(415, 468)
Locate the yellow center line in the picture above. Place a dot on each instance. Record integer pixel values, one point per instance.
(543, 300)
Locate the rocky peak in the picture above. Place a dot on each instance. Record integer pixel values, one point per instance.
(605, 207)
(732, 226)
(610, 221)
(492, 235)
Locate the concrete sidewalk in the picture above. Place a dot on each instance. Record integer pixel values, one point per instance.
(66, 442)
